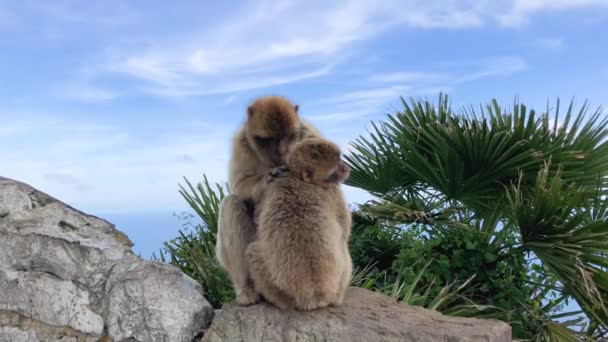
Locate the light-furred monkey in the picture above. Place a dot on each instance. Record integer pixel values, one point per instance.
(272, 128)
(300, 258)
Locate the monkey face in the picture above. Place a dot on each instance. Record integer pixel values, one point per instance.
(318, 161)
(272, 128)
(340, 173)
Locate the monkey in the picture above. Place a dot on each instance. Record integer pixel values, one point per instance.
(300, 258)
(260, 146)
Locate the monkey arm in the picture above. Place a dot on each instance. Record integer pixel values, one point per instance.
(348, 225)
(250, 187)
(343, 213)
(345, 222)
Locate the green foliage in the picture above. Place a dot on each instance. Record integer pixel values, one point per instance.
(193, 251)
(513, 203)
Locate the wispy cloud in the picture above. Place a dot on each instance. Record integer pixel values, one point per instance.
(252, 82)
(454, 72)
(521, 10)
(257, 44)
(408, 76)
(262, 44)
(495, 67)
(391, 85)
(358, 103)
(249, 52)
(66, 179)
(103, 167)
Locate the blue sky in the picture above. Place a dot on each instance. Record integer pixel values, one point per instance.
(107, 105)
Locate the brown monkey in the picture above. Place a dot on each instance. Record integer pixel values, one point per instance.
(300, 258)
(272, 128)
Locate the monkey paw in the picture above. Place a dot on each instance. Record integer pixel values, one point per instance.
(275, 172)
(247, 296)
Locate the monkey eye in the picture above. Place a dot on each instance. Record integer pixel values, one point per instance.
(263, 140)
(315, 155)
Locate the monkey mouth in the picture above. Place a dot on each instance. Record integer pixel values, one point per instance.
(343, 169)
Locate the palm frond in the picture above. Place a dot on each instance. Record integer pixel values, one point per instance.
(470, 157)
(559, 231)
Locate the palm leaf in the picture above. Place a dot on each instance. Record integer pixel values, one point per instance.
(568, 240)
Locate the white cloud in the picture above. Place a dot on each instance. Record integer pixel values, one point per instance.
(65, 179)
(364, 96)
(261, 44)
(408, 76)
(338, 115)
(103, 168)
(251, 52)
(522, 10)
(500, 66)
(372, 101)
(245, 83)
(357, 104)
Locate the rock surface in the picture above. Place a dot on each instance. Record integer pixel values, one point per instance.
(69, 276)
(365, 316)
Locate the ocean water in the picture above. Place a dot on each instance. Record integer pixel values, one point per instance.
(147, 230)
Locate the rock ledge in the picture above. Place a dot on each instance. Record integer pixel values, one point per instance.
(365, 316)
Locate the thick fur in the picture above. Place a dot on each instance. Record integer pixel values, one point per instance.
(235, 232)
(272, 118)
(300, 258)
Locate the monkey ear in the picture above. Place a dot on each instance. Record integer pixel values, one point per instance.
(296, 108)
(307, 174)
(249, 111)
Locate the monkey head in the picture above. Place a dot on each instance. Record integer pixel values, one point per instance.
(317, 161)
(272, 128)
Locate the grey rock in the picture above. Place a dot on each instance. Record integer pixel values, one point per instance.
(364, 316)
(69, 276)
(144, 297)
(49, 299)
(16, 327)
(11, 334)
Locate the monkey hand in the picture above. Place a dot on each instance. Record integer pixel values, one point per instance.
(275, 172)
